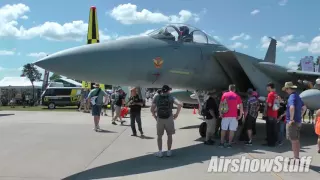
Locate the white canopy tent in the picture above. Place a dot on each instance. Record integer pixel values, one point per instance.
(18, 82)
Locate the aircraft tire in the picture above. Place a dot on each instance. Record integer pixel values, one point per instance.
(203, 129)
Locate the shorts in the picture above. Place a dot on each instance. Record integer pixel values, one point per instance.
(112, 107)
(96, 110)
(165, 125)
(117, 109)
(211, 125)
(249, 122)
(293, 131)
(317, 127)
(229, 123)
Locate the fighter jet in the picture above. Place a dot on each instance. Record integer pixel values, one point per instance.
(178, 55)
(311, 96)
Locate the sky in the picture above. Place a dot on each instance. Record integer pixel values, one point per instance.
(31, 29)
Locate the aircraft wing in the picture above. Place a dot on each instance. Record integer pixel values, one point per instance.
(284, 74)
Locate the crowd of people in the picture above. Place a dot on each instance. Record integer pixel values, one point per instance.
(234, 118)
(283, 117)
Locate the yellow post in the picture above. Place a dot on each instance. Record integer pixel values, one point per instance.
(92, 36)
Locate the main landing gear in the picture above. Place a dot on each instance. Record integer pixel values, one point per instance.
(201, 96)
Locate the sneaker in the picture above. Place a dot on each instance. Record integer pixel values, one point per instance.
(209, 142)
(221, 145)
(141, 133)
(159, 154)
(228, 145)
(319, 151)
(98, 129)
(114, 123)
(134, 135)
(280, 143)
(169, 153)
(248, 143)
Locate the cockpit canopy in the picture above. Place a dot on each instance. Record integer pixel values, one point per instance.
(184, 33)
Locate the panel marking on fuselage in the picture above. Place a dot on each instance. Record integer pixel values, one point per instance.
(157, 62)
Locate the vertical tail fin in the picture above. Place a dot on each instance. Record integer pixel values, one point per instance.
(271, 52)
(93, 36)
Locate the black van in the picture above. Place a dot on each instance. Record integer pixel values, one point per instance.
(61, 96)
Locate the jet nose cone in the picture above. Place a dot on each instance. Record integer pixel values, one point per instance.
(311, 98)
(66, 60)
(111, 62)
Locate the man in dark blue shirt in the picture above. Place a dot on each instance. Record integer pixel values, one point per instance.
(295, 110)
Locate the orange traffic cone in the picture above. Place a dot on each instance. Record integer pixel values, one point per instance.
(194, 110)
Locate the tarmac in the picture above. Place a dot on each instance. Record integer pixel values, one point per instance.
(62, 145)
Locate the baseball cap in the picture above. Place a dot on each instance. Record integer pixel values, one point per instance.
(166, 88)
(250, 91)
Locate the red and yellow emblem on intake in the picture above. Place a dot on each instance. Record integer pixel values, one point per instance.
(157, 62)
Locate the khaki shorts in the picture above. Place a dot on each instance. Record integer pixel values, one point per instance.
(117, 110)
(293, 131)
(165, 125)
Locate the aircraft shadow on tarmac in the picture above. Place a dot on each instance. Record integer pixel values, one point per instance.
(2, 115)
(189, 155)
(308, 138)
(149, 163)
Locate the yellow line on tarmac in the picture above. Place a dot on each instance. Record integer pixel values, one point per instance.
(277, 176)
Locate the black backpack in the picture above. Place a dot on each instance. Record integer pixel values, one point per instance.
(204, 110)
(164, 107)
(118, 100)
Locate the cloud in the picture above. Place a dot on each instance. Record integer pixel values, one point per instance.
(15, 72)
(131, 36)
(10, 72)
(38, 55)
(292, 57)
(287, 38)
(128, 14)
(265, 41)
(254, 12)
(283, 2)
(70, 31)
(292, 65)
(6, 53)
(299, 46)
(315, 45)
(238, 45)
(24, 17)
(241, 36)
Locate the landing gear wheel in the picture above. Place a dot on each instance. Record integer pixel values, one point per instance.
(203, 129)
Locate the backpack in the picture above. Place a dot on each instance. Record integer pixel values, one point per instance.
(118, 100)
(224, 107)
(164, 107)
(204, 110)
(113, 96)
(276, 104)
(94, 98)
